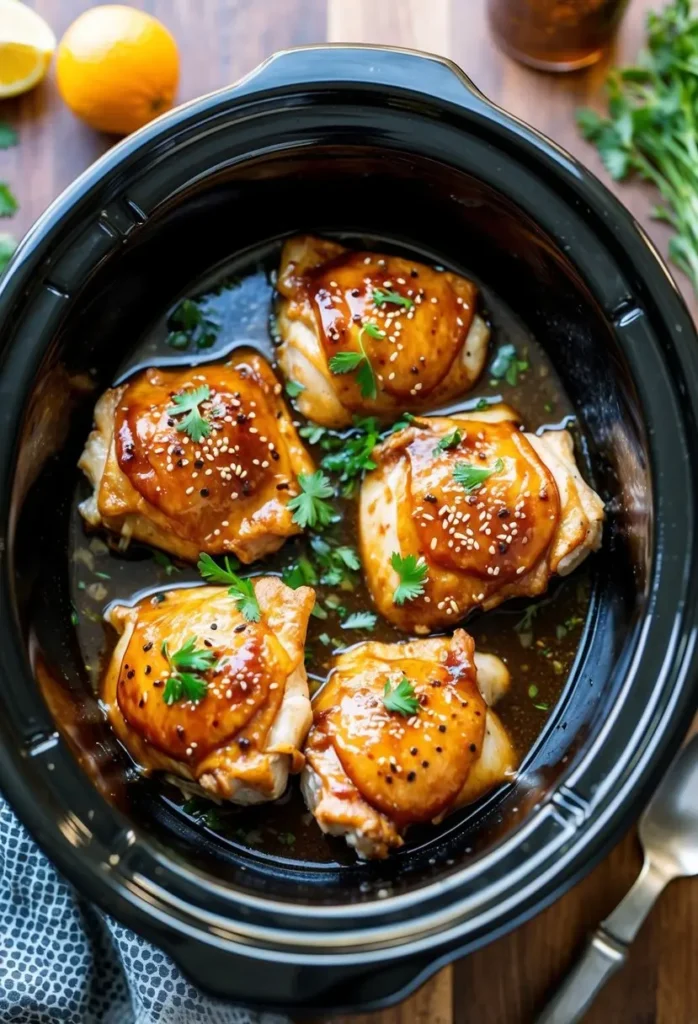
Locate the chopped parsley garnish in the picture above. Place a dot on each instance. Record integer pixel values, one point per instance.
(403, 422)
(381, 297)
(532, 691)
(187, 404)
(337, 564)
(402, 698)
(448, 441)
(192, 322)
(507, 365)
(186, 667)
(319, 612)
(412, 573)
(360, 620)
(293, 388)
(348, 362)
(472, 477)
(241, 590)
(215, 574)
(352, 454)
(482, 404)
(300, 574)
(164, 561)
(246, 600)
(312, 433)
(542, 707)
(373, 331)
(74, 617)
(309, 507)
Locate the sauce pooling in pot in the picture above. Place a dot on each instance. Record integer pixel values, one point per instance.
(538, 639)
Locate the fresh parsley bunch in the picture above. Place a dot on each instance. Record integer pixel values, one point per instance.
(652, 127)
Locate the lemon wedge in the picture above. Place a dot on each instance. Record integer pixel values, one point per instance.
(26, 47)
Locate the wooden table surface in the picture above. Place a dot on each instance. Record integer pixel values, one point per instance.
(221, 40)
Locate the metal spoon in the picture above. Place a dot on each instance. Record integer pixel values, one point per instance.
(669, 837)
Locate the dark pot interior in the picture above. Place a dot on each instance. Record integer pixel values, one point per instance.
(582, 291)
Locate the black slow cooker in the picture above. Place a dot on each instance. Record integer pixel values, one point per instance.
(401, 146)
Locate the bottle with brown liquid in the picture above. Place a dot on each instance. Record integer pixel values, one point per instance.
(555, 35)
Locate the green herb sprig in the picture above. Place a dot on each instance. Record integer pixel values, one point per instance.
(241, 590)
(348, 362)
(471, 477)
(381, 297)
(309, 507)
(187, 405)
(652, 125)
(448, 441)
(402, 698)
(412, 573)
(186, 666)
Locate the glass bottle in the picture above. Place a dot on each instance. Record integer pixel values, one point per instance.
(555, 35)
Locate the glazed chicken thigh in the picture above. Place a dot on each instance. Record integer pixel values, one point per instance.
(369, 334)
(376, 765)
(196, 689)
(471, 511)
(202, 459)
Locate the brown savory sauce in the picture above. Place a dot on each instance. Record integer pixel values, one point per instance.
(537, 639)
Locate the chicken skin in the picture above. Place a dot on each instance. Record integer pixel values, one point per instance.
(372, 771)
(374, 335)
(202, 459)
(197, 690)
(481, 511)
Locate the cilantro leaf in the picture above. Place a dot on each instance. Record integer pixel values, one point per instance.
(213, 573)
(243, 593)
(402, 698)
(360, 620)
(184, 682)
(241, 590)
(412, 573)
(366, 379)
(472, 477)
(352, 454)
(309, 507)
(7, 247)
(193, 321)
(293, 388)
(312, 433)
(380, 297)
(448, 441)
(8, 203)
(337, 563)
(187, 404)
(301, 574)
(188, 658)
(8, 136)
(346, 362)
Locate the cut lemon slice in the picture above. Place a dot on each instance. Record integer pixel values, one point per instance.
(26, 47)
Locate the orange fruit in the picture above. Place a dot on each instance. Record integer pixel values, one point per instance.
(117, 68)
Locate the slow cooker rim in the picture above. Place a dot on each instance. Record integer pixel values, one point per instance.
(93, 176)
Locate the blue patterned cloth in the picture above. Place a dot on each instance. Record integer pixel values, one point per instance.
(61, 960)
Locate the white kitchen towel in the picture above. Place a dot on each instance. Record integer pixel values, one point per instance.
(64, 962)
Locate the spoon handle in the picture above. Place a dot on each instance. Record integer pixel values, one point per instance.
(606, 952)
